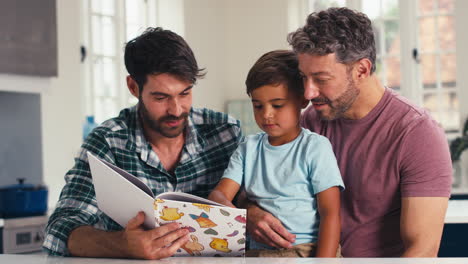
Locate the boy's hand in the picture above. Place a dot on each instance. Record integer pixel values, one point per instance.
(267, 229)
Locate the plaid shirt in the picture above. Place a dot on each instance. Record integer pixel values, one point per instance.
(211, 138)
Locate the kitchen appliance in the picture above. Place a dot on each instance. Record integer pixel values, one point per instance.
(22, 217)
(20, 200)
(22, 235)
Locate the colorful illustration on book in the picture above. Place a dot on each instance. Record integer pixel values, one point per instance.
(204, 207)
(155, 203)
(224, 212)
(241, 219)
(203, 220)
(213, 231)
(170, 214)
(220, 245)
(193, 247)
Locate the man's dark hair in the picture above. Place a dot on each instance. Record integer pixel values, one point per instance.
(342, 31)
(158, 51)
(275, 68)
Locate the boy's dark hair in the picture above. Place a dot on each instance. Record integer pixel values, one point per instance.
(275, 68)
(342, 31)
(158, 51)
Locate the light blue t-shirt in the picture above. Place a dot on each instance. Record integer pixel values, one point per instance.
(285, 179)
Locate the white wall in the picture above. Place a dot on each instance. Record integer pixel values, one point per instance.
(204, 27)
(61, 102)
(229, 36)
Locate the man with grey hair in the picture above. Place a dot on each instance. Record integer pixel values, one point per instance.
(393, 156)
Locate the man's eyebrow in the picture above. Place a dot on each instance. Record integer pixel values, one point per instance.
(165, 94)
(159, 94)
(186, 89)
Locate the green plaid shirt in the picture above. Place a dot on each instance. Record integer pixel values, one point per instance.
(211, 138)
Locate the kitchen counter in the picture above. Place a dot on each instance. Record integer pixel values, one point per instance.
(41, 259)
(457, 212)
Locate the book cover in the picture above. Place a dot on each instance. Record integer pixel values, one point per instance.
(215, 229)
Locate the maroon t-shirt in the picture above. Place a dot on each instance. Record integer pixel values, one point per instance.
(396, 151)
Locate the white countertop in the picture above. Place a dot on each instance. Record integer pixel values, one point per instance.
(41, 259)
(457, 212)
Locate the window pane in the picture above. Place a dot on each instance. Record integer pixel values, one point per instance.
(449, 116)
(96, 24)
(444, 109)
(133, 19)
(427, 38)
(428, 71)
(379, 67)
(390, 9)
(446, 5)
(108, 37)
(377, 38)
(392, 37)
(105, 7)
(448, 70)
(103, 29)
(426, 6)
(393, 72)
(318, 5)
(105, 77)
(97, 76)
(371, 8)
(384, 16)
(446, 27)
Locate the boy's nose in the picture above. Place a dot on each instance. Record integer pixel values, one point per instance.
(267, 114)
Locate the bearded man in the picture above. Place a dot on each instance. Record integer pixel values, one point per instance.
(162, 140)
(392, 155)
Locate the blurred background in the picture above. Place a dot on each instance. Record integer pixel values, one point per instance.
(62, 66)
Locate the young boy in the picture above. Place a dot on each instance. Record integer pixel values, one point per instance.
(288, 171)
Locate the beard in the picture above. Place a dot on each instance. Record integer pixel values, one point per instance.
(158, 125)
(340, 105)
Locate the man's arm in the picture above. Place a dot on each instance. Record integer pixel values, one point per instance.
(132, 242)
(422, 221)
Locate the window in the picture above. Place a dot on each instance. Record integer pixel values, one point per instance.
(385, 20)
(108, 25)
(316, 5)
(436, 51)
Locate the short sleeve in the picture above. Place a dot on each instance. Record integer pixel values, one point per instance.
(235, 169)
(426, 166)
(324, 169)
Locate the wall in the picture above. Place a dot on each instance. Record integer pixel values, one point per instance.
(60, 108)
(61, 102)
(229, 36)
(20, 141)
(204, 32)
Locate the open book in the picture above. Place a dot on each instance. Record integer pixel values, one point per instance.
(215, 229)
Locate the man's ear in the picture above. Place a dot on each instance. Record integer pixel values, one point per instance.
(363, 69)
(133, 86)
